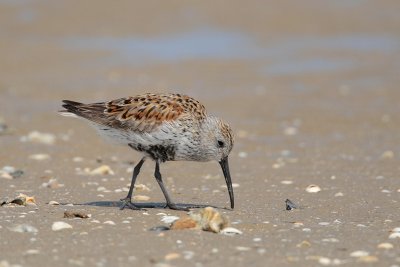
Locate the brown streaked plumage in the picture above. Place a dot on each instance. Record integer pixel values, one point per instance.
(163, 127)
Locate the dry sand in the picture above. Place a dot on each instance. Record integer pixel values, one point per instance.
(311, 89)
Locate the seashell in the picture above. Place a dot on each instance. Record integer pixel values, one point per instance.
(231, 231)
(210, 220)
(37, 137)
(39, 156)
(359, 253)
(141, 198)
(102, 170)
(312, 188)
(57, 226)
(169, 219)
(385, 246)
(184, 223)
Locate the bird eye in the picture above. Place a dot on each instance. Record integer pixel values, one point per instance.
(221, 143)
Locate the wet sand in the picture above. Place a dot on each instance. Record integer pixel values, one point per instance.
(311, 90)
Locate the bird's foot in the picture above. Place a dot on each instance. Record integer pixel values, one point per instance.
(127, 203)
(173, 206)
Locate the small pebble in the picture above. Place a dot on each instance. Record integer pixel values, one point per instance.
(385, 246)
(339, 194)
(172, 256)
(141, 187)
(313, 188)
(32, 252)
(109, 222)
(395, 233)
(368, 259)
(77, 159)
(359, 253)
(304, 244)
(387, 154)
(286, 182)
(239, 248)
(141, 198)
(38, 137)
(52, 202)
(57, 226)
(102, 170)
(242, 154)
(39, 157)
(324, 261)
(290, 131)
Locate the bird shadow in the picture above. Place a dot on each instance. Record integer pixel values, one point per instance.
(147, 205)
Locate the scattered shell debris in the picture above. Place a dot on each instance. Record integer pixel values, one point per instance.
(21, 200)
(9, 172)
(57, 226)
(312, 188)
(207, 219)
(76, 214)
(38, 137)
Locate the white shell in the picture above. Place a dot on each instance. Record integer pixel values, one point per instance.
(57, 226)
(312, 188)
(231, 231)
(169, 219)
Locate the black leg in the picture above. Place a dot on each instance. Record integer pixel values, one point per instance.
(127, 202)
(170, 204)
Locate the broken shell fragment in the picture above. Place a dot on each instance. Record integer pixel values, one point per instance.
(103, 170)
(183, 223)
(290, 205)
(141, 198)
(231, 231)
(210, 220)
(57, 226)
(313, 188)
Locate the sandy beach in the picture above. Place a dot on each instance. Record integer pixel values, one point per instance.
(310, 88)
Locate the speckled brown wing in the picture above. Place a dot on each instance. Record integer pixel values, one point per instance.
(140, 113)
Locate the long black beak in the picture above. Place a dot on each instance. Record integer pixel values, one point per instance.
(225, 169)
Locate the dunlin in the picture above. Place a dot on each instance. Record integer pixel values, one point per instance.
(163, 127)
